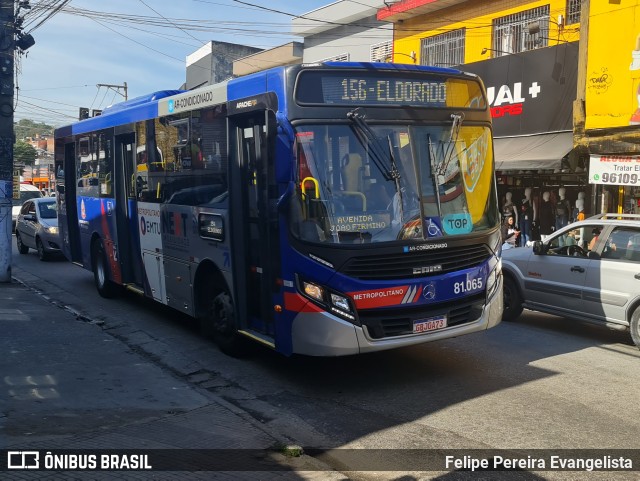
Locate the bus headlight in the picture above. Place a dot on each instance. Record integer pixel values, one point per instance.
(328, 300)
(492, 280)
(340, 302)
(313, 290)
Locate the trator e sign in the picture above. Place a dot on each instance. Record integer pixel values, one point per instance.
(614, 170)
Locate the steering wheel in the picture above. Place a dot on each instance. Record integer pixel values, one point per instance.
(576, 251)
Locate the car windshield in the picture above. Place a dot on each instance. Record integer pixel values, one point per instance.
(366, 182)
(25, 195)
(47, 210)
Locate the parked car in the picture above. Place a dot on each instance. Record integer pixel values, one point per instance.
(27, 191)
(588, 270)
(37, 227)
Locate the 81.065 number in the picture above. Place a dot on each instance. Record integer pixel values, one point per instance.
(468, 285)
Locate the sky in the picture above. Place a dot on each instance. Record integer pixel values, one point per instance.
(89, 42)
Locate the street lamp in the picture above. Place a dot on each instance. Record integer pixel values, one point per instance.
(485, 50)
(411, 55)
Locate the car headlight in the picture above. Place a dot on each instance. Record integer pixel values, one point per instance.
(51, 230)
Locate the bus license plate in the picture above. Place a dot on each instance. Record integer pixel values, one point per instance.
(431, 324)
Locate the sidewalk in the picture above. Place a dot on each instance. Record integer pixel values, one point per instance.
(68, 384)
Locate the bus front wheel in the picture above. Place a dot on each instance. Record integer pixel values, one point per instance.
(220, 323)
(106, 288)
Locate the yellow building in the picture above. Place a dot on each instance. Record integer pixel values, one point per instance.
(526, 53)
(592, 53)
(607, 110)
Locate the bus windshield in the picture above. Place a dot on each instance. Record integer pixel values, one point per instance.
(371, 182)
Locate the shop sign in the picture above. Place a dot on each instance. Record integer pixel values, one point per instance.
(530, 92)
(614, 170)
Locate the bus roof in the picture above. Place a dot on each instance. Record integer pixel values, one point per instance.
(171, 101)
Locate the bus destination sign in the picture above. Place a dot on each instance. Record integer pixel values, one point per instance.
(387, 91)
(371, 88)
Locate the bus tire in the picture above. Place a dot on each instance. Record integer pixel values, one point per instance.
(634, 327)
(106, 288)
(22, 248)
(219, 322)
(512, 300)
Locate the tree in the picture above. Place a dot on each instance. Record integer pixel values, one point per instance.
(24, 153)
(28, 128)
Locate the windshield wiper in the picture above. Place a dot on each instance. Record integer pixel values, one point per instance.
(434, 173)
(395, 174)
(367, 137)
(389, 170)
(453, 138)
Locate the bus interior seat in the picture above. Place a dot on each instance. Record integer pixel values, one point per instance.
(352, 173)
(378, 197)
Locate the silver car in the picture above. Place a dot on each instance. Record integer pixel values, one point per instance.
(588, 270)
(37, 227)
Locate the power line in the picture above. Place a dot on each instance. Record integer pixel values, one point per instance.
(158, 13)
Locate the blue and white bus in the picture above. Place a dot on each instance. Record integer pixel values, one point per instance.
(324, 209)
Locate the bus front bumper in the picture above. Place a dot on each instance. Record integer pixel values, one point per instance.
(323, 334)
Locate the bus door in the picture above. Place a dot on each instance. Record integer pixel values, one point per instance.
(254, 219)
(68, 206)
(126, 210)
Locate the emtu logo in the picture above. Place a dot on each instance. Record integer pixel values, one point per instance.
(23, 460)
(172, 106)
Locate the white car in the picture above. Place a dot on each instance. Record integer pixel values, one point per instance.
(27, 191)
(588, 270)
(37, 227)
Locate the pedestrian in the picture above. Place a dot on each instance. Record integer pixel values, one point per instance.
(509, 233)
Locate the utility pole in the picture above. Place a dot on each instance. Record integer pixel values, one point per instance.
(7, 34)
(116, 88)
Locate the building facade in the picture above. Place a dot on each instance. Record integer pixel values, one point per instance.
(526, 53)
(345, 31)
(607, 110)
(213, 63)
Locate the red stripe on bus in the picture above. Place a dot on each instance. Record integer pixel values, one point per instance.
(296, 303)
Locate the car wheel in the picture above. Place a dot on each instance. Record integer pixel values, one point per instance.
(512, 300)
(41, 252)
(219, 322)
(634, 327)
(106, 287)
(22, 249)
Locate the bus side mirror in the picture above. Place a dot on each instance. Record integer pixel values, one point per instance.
(60, 189)
(538, 248)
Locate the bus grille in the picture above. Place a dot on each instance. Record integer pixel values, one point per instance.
(401, 266)
(385, 323)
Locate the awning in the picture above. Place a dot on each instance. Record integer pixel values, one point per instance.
(543, 151)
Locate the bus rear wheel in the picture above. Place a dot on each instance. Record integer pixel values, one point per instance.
(106, 288)
(219, 322)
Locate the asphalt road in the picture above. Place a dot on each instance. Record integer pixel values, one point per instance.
(542, 382)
